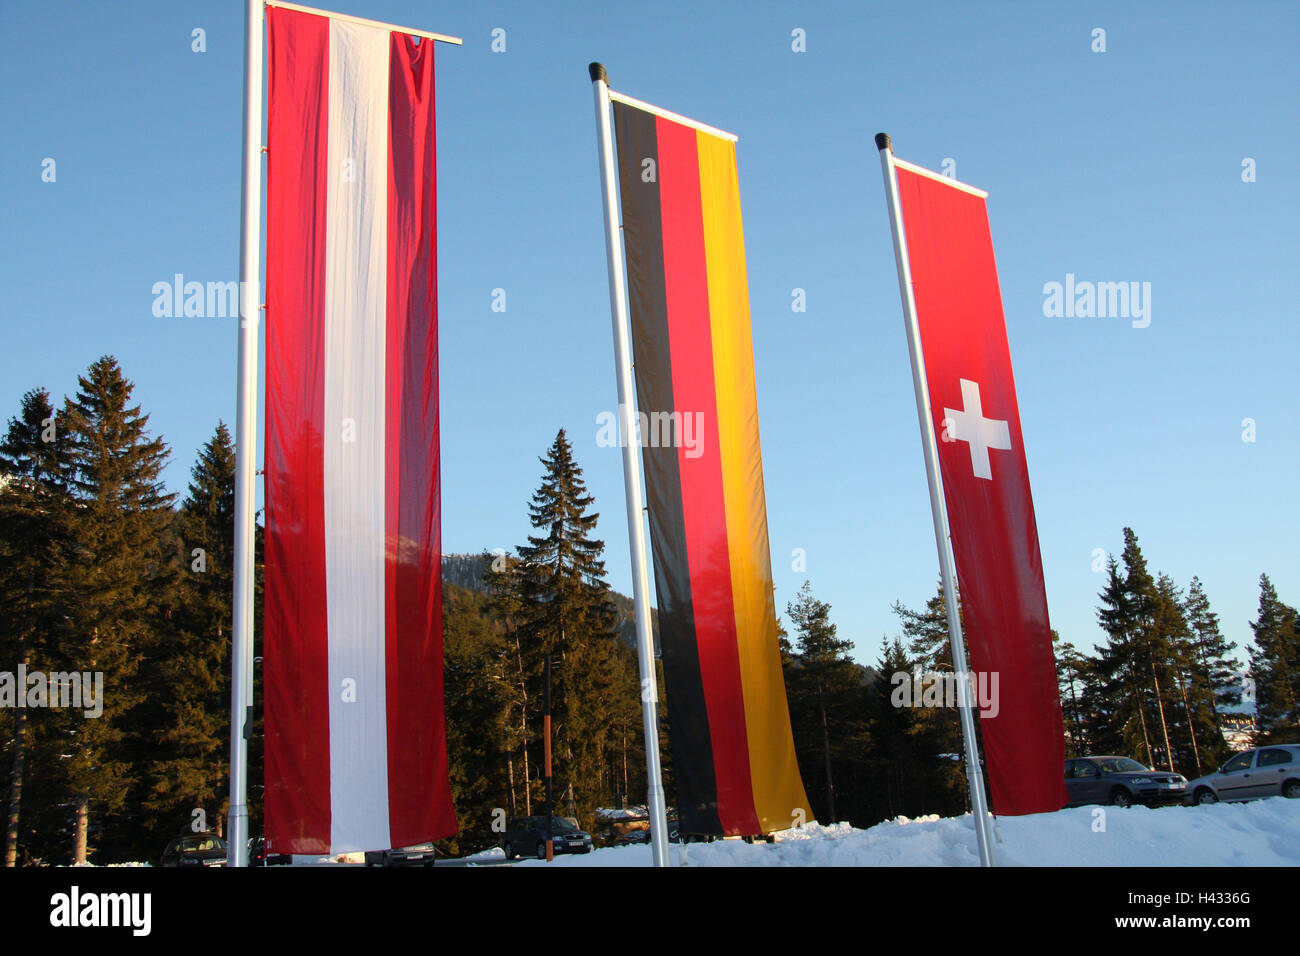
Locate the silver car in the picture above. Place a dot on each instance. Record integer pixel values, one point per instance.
(1263, 772)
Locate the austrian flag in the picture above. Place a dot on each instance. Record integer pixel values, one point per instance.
(355, 741)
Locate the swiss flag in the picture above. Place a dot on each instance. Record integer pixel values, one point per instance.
(986, 488)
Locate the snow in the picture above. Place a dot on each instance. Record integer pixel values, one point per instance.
(1262, 833)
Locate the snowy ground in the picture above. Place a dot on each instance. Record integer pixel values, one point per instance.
(1262, 833)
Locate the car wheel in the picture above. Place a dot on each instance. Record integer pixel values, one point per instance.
(505, 848)
(1205, 796)
(1291, 789)
(1120, 797)
(541, 849)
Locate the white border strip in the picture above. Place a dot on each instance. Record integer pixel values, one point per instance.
(442, 38)
(931, 174)
(675, 117)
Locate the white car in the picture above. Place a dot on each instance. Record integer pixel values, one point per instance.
(1263, 772)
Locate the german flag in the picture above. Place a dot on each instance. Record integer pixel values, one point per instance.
(732, 748)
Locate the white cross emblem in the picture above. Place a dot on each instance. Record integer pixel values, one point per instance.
(970, 425)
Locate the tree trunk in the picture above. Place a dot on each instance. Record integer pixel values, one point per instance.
(1191, 726)
(1164, 727)
(826, 750)
(79, 833)
(510, 793)
(16, 776)
(523, 727)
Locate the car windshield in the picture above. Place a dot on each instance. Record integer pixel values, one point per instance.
(193, 844)
(1118, 765)
(560, 825)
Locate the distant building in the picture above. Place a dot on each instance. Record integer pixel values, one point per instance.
(1238, 730)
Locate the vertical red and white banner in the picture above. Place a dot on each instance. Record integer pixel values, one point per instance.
(355, 738)
(966, 363)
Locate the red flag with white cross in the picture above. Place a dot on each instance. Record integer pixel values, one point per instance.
(981, 453)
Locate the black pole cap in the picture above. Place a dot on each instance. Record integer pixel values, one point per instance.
(882, 142)
(597, 72)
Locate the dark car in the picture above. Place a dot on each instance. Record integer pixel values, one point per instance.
(257, 855)
(1120, 782)
(1251, 774)
(422, 855)
(195, 849)
(526, 836)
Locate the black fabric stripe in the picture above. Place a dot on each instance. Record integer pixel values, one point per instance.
(688, 719)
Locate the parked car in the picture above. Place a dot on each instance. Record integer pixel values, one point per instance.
(421, 855)
(195, 849)
(526, 836)
(257, 855)
(1120, 782)
(1262, 772)
(636, 837)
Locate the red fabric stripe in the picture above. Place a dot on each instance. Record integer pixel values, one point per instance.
(703, 506)
(295, 650)
(419, 796)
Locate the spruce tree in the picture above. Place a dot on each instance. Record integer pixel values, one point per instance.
(33, 556)
(568, 616)
(190, 680)
(117, 581)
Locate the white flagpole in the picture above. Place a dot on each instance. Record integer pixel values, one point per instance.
(631, 474)
(250, 253)
(942, 538)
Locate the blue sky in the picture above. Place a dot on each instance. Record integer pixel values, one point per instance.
(1117, 166)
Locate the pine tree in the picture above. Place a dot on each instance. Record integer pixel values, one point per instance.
(568, 616)
(477, 714)
(824, 678)
(1215, 666)
(117, 579)
(190, 683)
(906, 775)
(505, 603)
(1073, 671)
(1275, 668)
(1118, 703)
(929, 649)
(1152, 643)
(1193, 723)
(34, 545)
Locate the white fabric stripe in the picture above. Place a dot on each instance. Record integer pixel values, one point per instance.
(356, 261)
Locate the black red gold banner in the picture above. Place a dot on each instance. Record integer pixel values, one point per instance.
(732, 749)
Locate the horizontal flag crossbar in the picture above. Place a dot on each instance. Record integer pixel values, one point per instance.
(931, 174)
(675, 117)
(440, 37)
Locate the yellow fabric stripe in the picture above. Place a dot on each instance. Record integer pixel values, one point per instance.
(778, 789)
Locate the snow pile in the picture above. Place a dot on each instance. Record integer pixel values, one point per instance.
(1263, 833)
